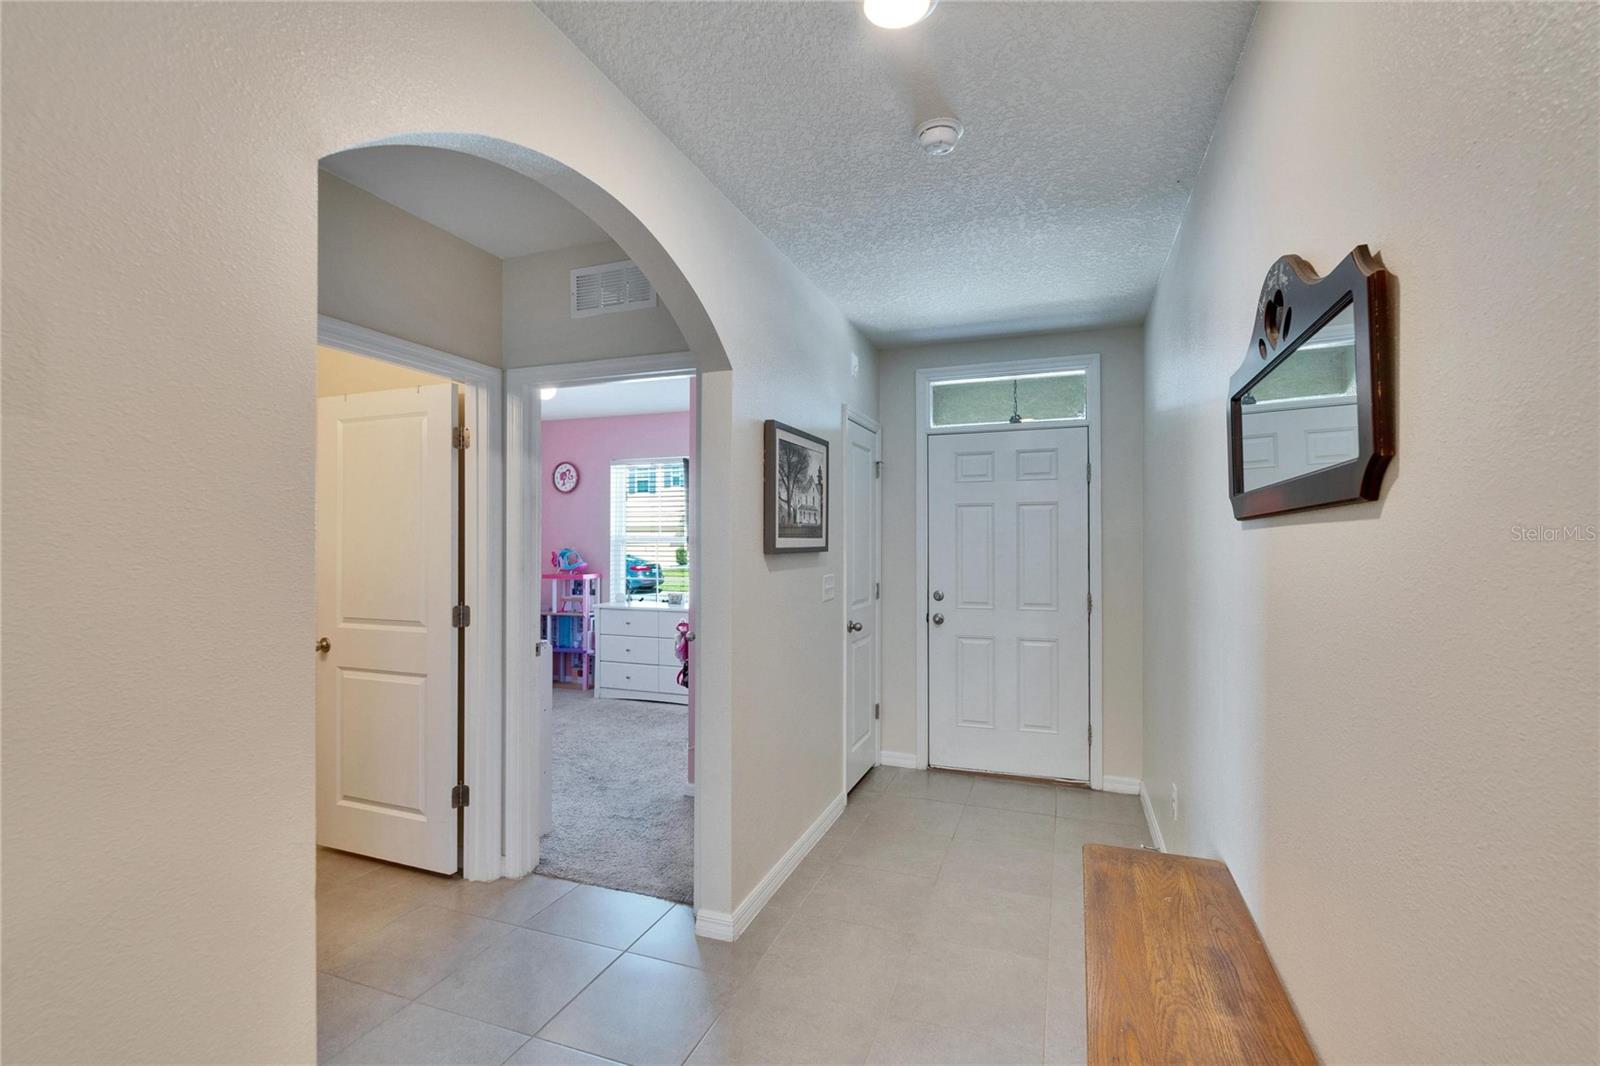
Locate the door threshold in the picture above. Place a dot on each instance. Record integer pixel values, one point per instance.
(1026, 779)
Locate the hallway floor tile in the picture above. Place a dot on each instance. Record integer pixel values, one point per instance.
(939, 921)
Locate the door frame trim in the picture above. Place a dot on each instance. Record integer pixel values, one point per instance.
(867, 422)
(524, 488)
(484, 579)
(927, 377)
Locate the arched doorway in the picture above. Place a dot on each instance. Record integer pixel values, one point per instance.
(500, 837)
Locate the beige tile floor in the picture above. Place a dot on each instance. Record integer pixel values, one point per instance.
(939, 921)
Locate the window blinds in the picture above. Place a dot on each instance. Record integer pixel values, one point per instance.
(649, 522)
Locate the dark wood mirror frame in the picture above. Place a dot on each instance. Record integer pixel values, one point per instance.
(1294, 296)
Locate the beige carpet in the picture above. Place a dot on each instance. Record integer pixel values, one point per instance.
(623, 816)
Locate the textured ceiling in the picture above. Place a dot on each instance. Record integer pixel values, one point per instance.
(1085, 124)
(481, 202)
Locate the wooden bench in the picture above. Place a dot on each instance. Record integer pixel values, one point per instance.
(1176, 969)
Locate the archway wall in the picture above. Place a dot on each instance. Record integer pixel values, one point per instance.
(389, 271)
(160, 251)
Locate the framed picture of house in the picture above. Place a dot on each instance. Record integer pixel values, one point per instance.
(796, 492)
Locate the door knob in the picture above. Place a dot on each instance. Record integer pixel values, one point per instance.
(938, 594)
(938, 619)
(854, 627)
(323, 645)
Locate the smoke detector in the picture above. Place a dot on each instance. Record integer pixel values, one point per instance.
(938, 136)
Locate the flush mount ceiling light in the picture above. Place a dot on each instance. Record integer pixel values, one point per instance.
(896, 14)
(938, 136)
(547, 393)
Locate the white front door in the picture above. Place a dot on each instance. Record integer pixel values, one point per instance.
(861, 601)
(1008, 586)
(388, 574)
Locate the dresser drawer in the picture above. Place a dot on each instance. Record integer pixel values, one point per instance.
(630, 676)
(668, 621)
(638, 623)
(628, 648)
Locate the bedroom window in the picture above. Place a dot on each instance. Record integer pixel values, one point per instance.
(649, 529)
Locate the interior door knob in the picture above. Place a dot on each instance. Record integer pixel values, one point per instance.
(323, 644)
(938, 619)
(854, 627)
(938, 594)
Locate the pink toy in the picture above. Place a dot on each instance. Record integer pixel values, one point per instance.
(568, 560)
(681, 651)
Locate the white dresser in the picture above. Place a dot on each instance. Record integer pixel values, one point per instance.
(634, 652)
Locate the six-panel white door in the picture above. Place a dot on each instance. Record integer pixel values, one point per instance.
(861, 601)
(387, 579)
(1008, 622)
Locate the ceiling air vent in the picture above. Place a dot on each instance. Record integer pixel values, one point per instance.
(599, 290)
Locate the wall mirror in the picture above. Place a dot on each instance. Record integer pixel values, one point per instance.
(1310, 411)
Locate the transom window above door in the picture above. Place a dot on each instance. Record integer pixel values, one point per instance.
(1015, 398)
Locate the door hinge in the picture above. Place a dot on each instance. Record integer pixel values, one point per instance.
(461, 437)
(1091, 734)
(1091, 602)
(461, 616)
(460, 796)
(877, 468)
(877, 590)
(874, 712)
(1088, 472)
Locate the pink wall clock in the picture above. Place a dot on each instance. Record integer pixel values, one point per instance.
(564, 477)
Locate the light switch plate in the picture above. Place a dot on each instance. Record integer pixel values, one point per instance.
(827, 587)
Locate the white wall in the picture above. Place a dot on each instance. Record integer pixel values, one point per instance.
(340, 372)
(386, 270)
(1383, 716)
(160, 244)
(538, 326)
(788, 645)
(1121, 503)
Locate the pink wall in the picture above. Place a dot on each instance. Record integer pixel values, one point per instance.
(581, 519)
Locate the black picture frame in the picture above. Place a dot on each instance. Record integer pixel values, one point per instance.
(794, 497)
(1294, 297)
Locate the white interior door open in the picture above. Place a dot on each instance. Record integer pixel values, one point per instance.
(388, 574)
(1008, 611)
(861, 600)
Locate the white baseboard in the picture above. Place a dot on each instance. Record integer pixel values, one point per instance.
(713, 925)
(720, 925)
(1128, 786)
(1150, 819)
(898, 758)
